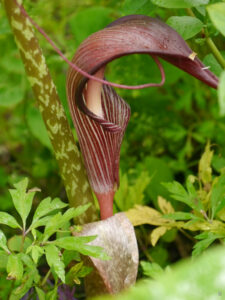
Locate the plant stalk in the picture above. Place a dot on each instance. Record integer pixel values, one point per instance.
(66, 152)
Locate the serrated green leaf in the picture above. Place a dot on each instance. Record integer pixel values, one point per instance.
(181, 216)
(207, 238)
(47, 206)
(217, 198)
(14, 267)
(3, 242)
(7, 219)
(79, 244)
(22, 200)
(36, 252)
(217, 12)
(152, 270)
(186, 26)
(52, 226)
(179, 193)
(179, 3)
(221, 94)
(204, 167)
(53, 257)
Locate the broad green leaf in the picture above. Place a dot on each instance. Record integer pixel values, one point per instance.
(157, 233)
(218, 195)
(74, 212)
(52, 295)
(7, 219)
(37, 126)
(3, 259)
(69, 255)
(179, 3)
(217, 12)
(47, 206)
(137, 7)
(53, 257)
(204, 167)
(79, 244)
(14, 267)
(3, 242)
(152, 270)
(186, 26)
(10, 95)
(90, 20)
(22, 200)
(40, 293)
(211, 62)
(221, 94)
(15, 243)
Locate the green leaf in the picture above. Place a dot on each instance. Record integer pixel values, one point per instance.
(3, 242)
(152, 270)
(179, 3)
(207, 239)
(15, 243)
(3, 259)
(47, 206)
(41, 222)
(221, 94)
(78, 270)
(37, 126)
(181, 216)
(204, 167)
(69, 255)
(198, 279)
(89, 21)
(10, 95)
(7, 219)
(14, 267)
(79, 244)
(179, 193)
(53, 257)
(217, 12)
(210, 61)
(52, 226)
(74, 212)
(40, 293)
(186, 26)
(217, 198)
(36, 252)
(137, 7)
(22, 200)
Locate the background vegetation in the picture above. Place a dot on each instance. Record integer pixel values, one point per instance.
(168, 132)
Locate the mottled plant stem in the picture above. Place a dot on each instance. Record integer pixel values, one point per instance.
(60, 134)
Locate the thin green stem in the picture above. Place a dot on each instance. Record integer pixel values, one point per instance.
(46, 278)
(215, 51)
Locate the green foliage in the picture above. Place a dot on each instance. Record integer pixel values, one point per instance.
(25, 252)
(216, 13)
(186, 26)
(179, 3)
(200, 279)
